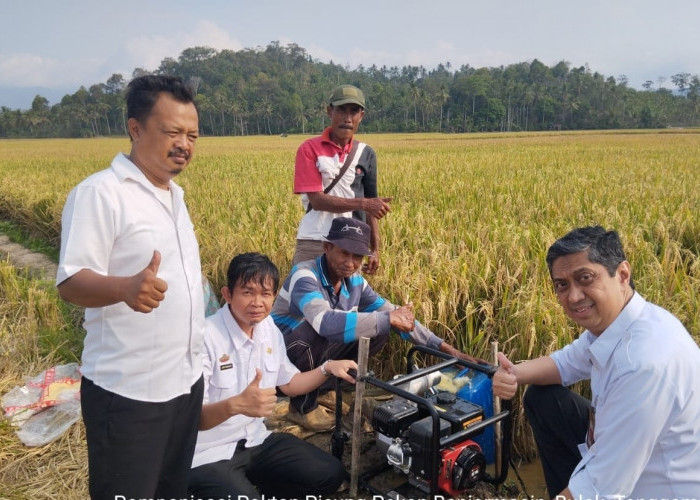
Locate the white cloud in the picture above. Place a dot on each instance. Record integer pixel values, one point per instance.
(31, 70)
(147, 51)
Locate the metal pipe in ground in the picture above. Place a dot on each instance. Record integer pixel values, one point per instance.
(362, 361)
(496, 410)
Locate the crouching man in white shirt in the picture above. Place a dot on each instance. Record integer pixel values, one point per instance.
(637, 436)
(245, 360)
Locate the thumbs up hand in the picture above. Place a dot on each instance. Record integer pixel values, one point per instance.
(144, 291)
(505, 381)
(505, 363)
(255, 401)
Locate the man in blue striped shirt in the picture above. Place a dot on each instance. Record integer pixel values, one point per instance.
(325, 306)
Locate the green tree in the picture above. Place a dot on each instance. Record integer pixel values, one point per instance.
(280, 88)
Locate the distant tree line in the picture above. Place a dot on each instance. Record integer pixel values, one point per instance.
(279, 90)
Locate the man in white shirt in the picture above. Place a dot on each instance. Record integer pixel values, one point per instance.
(637, 437)
(130, 257)
(245, 360)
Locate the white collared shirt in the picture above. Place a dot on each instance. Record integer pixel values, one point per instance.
(112, 223)
(644, 371)
(230, 360)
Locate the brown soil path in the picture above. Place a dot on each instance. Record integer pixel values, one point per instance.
(37, 265)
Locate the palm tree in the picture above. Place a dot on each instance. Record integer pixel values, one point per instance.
(415, 92)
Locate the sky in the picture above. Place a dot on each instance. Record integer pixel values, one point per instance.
(52, 47)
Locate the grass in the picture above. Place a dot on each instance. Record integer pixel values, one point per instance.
(34, 335)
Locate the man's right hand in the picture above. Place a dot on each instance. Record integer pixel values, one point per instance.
(255, 401)
(376, 207)
(402, 318)
(372, 264)
(144, 291)
(505, 381)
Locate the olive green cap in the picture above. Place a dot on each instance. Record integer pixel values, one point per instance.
(347, 94)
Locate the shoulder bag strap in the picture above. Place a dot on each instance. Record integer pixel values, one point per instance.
(343, 169)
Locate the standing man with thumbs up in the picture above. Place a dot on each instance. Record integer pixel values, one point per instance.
(246, 359)
(130, 257)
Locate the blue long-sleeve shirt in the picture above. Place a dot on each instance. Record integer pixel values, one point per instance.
(307, 300)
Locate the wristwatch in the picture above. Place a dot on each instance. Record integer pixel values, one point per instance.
(323, 369)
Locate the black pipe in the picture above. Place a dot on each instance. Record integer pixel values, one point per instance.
(338, 438)
(484, 368)
(506, 440)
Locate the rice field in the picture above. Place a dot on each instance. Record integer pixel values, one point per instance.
(472, 217)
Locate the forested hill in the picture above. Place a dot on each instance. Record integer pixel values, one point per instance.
(282, 89)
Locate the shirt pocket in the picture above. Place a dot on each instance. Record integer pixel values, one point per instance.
(223, 383)
(271, 368)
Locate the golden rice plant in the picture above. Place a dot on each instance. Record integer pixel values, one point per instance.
(472, 218)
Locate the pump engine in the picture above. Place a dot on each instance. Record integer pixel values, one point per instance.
(404, 431)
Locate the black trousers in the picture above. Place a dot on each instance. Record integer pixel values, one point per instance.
(559, 421)
(307, 350)
(283, 466)
(139, 449)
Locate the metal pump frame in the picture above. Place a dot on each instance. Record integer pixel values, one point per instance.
(437, 443)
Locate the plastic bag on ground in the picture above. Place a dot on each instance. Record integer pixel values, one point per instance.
(46, 405)
(48, 425)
